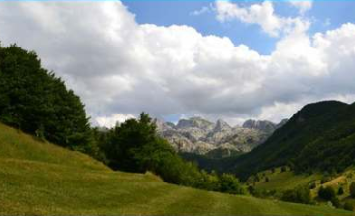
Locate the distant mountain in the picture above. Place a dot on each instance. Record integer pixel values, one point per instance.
(219, 139)
(320, 137)
(265, 126)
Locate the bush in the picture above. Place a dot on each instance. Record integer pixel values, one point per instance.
(335, 202)
(230, 184)
(267, 179)
(349, 206)
(340, 191)
(283, 169)
(297, 195)
(312, 185)
(352, 189)
(326, 193)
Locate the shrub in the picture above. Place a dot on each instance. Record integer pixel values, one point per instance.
(230, 184)
(297, 195)
(312, 185)
(283, 169)
(352, 189)
(335, 202)
(349, 206)
(340, 191)
(267, 179)
(326, 193)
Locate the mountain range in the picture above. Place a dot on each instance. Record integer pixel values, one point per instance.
(200, 136)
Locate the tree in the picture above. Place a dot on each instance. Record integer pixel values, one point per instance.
(130, 144)
(326, 193)
(298, 195)
(352, 189)
(36, 101)
(230, 184)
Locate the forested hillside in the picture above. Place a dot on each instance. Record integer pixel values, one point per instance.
(320, 137)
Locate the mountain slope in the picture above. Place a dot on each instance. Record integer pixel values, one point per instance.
(38, 178)
(320, 137)
(200, 136)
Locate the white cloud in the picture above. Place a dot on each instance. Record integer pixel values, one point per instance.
(119, 66)
(262, 14)
(302, 5)
(203, 10)
(112, 120)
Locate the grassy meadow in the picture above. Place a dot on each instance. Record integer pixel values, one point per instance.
(38, 178)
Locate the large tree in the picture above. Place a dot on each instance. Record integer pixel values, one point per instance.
(36, 101)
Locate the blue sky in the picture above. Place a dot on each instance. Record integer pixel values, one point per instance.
(265, 60)
(323, 14)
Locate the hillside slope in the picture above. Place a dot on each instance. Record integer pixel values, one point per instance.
(38, 178)
(320, 137)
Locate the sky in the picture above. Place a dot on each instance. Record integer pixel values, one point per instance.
(232, 60)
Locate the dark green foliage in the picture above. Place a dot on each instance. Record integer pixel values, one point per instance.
(35, 101)
(349, 206)
(320, 137)
(267, 179)
(325, 178)
(297, 195)
(340, 191)
(312, 185)
(352, 189)
(229, 184)
(208, 163)
(335, 202)
(326, 193)
(283, 169)
(134, 146)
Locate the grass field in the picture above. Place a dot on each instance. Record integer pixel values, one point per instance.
(38, 178)
(284, 180)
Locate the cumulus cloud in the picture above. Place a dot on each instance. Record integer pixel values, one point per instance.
(112, 120)
(120, 67)
(262, 14)
(303, 6)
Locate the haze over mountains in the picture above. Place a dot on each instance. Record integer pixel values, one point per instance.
(201, 136)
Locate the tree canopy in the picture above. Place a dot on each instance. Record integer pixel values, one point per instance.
(36, 101)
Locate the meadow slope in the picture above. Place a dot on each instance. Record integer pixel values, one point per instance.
(38, 178)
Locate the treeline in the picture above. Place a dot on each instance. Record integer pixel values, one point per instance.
(34, 100)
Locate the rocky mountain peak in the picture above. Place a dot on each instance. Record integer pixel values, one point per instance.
(265, 126)
(221, 126)
(196, 122)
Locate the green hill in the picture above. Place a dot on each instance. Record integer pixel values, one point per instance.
(38, 178)
(320, 137)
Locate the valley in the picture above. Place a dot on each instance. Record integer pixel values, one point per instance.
(39, 178)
